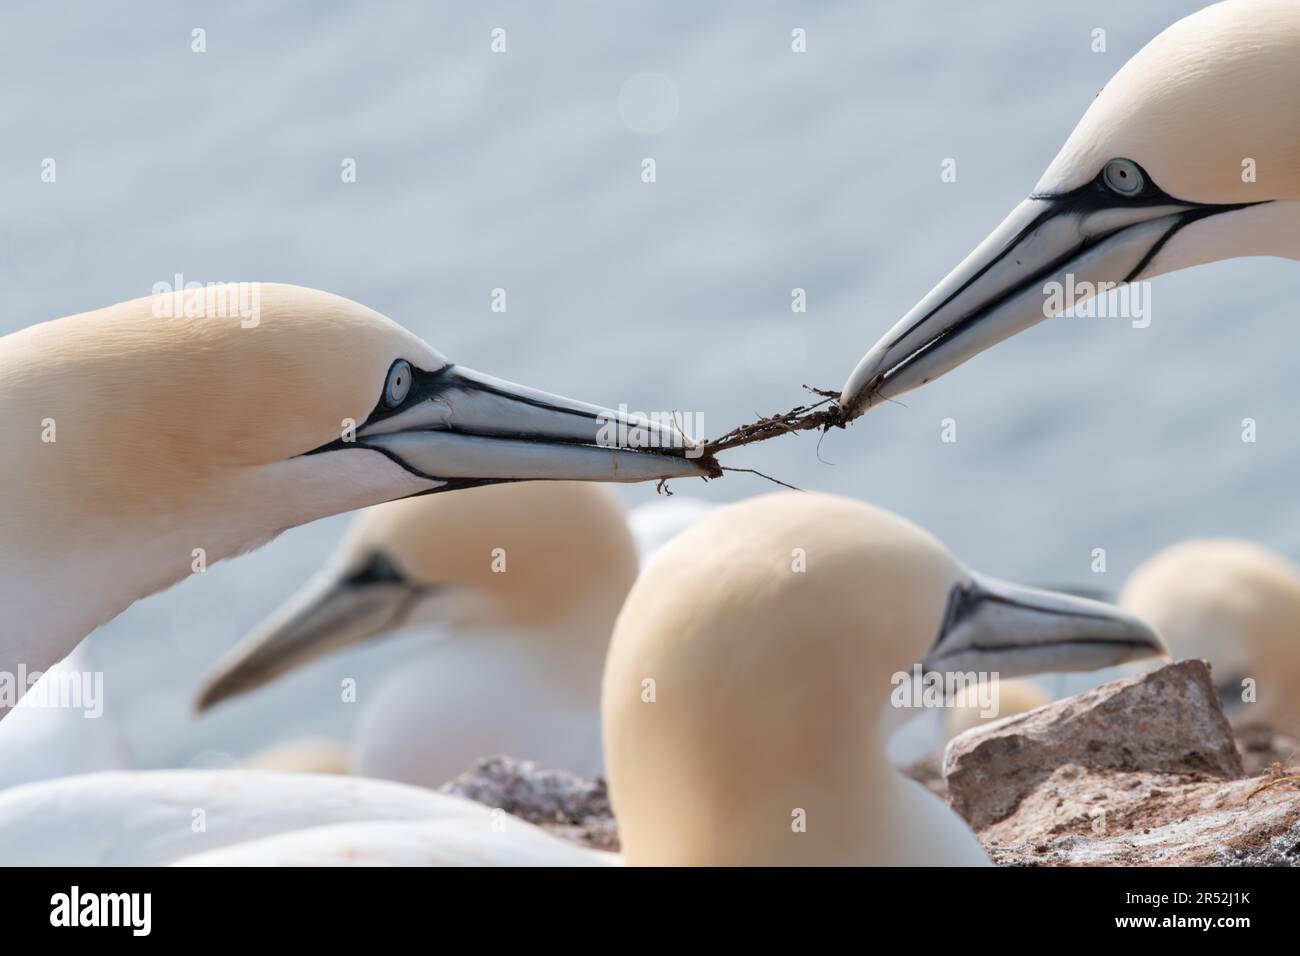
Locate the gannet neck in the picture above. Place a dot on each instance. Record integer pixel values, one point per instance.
(59, 586)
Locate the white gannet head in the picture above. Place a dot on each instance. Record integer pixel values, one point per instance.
(749, 666)
(546, 560)
(1234, 604)
(188, 435)
(1190, 154)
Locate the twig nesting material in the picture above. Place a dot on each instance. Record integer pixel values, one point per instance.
(822, 414)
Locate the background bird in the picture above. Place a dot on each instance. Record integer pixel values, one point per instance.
(520, 584)
(1234, 604)
(514, 586)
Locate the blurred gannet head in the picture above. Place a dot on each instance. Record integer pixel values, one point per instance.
(1236, 605)
(1190, 154)
(138, 447)
(534, 559)
(750, 664)
(1013, 697)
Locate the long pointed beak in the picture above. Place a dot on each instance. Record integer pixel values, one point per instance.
(463, 427)
(992, 626)
(328, 614)
(1014, 279)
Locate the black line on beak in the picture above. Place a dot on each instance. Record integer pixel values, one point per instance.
(1083, 201)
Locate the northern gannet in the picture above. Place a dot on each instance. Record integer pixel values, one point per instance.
(1189, 155)
(137, 446)
(743, 696)
(525, 580)
(1236, 605)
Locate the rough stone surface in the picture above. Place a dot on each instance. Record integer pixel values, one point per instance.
(1089, 817)
(1143, 771)
(1167, 721)
(571, 807)
(1261, 747)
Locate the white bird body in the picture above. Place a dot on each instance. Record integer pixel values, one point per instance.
(152, 817)
(41, 742)
(464, 836)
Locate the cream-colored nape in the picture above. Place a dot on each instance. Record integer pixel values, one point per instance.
(148, 440)
(1236, 605)
(522, 580)
(1190, 154)
(968, 710)
(751, 662)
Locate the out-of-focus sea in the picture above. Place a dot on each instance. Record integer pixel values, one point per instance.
(521, 170)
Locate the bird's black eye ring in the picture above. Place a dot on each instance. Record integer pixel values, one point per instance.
(398, 384)
(1124, 177)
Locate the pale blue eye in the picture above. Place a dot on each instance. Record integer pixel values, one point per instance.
(1124, 177)
(398, 385)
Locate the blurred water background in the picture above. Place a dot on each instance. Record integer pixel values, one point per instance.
(521, 170)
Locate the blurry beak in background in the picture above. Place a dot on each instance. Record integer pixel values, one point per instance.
(1002, 287)
(327, 615)
(994, 627)
(464, 428)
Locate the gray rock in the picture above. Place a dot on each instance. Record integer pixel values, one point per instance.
(1168, 721)
(569, 806)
